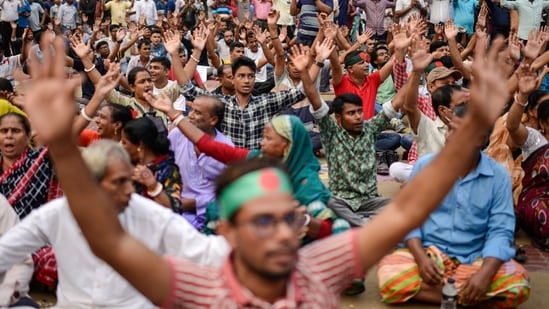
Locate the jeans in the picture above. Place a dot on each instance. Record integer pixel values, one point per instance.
(387, 141)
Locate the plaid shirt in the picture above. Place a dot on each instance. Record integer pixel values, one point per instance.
(244, 126)
(426, 107)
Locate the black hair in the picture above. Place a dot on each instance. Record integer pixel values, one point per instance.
(340, 100)
(443, 96)
(373, 54)
(5, 85)
(221, 68)
(249, 35)
(235, 44)
(133, 74)
(22, 119)
(144, 130)
(534, 99)
(119, 113)
(243, 61)
(436, 45)
(543, 111)
(112, 27)
(447, 61)
(143, 42)
(163, 61)
(101, 43)
(240, 168)
(156, 30)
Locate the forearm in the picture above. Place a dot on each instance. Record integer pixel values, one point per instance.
(416, 249)
(268, 53)
(490, 267)
(456, 59)
(310, 90)
(90, 109)
(323, 7)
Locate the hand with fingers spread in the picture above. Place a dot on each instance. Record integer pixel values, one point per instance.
(364, 37)
(421, 60)
(401, 40)
(526, 80)
(120, 34)
(272, 17)
(330, 30)
(300, 58)
(439, 30)
(50, 95)
(545, 34)
(162, 103)
(283, 33)
(450, 30)
(199, 37)
(108, 81)
(172, 42)
(489, 92)
(324, 49)
(514, 46)
(261, 36)
(533, 47)
(482, 15)
(82, 50)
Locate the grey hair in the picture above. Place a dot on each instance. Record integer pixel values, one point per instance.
(97, 156)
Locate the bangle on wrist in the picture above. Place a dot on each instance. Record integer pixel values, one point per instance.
(275, 38)
(85, 116)
(90, 69)
(178, 119)
(195, 59)
(172, 119)
(307, 220)
(518, 102)
(157, 190)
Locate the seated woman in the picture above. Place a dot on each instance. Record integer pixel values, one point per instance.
(156, 174)
(284, 138)
(533, 201)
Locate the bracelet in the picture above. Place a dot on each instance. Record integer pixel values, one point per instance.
(172, 119)
(193, 58)
(275, 38)
(85, 116)
(90, 69)
(178, 119)
(157, 190)
(307, 220)
(517, 101)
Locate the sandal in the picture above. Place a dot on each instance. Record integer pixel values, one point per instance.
(356, 287)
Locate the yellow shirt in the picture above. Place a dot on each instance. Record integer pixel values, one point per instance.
(118, 11)
(7, 107)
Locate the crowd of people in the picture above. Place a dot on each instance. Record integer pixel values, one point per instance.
(167, 153)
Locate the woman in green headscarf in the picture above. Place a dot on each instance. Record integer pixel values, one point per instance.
(285, 138)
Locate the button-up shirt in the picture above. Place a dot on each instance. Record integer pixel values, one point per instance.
(529, 13)
(351, 160)
(375, 14)
(323, 270)
(67, 15)
(146, 8)
(198, 173)
(9, 11)
(85, 281)
(476, 219)
(244, 125)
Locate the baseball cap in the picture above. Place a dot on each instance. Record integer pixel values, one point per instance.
(442, 72)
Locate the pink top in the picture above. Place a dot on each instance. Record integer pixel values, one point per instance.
(262, 8)
(324, 269)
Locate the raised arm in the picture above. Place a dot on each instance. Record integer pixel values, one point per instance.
(51, 96)
(526, 84)
(420, 60)
(172, 44)
(106, 83)
(451, 33)
(424, 193)
(82, 51)
(279, 59)
(401, 42)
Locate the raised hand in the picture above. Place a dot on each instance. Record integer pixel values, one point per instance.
(261, 36)
(161, 103)
(300, 58)
(533, 46)
(199, 38)
(439, 29)
(50, 95)
(526, 79)
(482, 15)
(450, 29)
(143, 175)
(330, 30)
(283, 33)
(364, 37)
(142, 20)
(84, 18)
(344, 31)
(401, 40)
(13, 25)
(120, 34)
(57, 22)
(108, 81)
(172, 42)
(324, 49)
(514, 46)
(421, 60)
(272, 18)
(489, 92)
(82, 50)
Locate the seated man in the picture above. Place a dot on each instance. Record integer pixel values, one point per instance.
(468, 238)
(84, 280)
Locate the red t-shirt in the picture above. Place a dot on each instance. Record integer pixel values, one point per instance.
(367, 92)
(87, 137)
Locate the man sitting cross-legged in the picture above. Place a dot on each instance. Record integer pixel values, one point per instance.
(469, 237)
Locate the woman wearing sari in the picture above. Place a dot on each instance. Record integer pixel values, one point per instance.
(532, 208)
(284, 138)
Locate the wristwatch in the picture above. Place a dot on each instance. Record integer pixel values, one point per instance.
(320, 64)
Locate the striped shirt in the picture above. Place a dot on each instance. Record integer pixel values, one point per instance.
(324, 269)
(308, 21)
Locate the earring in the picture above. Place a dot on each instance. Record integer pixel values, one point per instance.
(115, 131)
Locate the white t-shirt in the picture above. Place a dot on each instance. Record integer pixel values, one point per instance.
(261, 74)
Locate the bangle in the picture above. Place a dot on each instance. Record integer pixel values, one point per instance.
(307, 220)
(157, 190)
(172, 119)
(90, 69)
(85, 116)
(275, 38)
(177, 120)
(193, 58)
(517, 101)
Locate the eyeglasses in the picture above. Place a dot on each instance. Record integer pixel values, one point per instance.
(266, 225)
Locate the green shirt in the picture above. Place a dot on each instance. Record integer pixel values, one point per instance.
(352, 160)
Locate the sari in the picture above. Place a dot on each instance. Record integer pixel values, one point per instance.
(28, 184)
(533, 202)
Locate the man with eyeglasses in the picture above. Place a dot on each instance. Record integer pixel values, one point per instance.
(428, 123)
(265, 268)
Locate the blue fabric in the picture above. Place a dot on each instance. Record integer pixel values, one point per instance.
(545, 84)
(500, 16)
(308, 21)
(476, 219)
(23, 22)
(464, 14)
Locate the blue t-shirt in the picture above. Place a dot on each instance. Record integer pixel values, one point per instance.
(23, 22)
